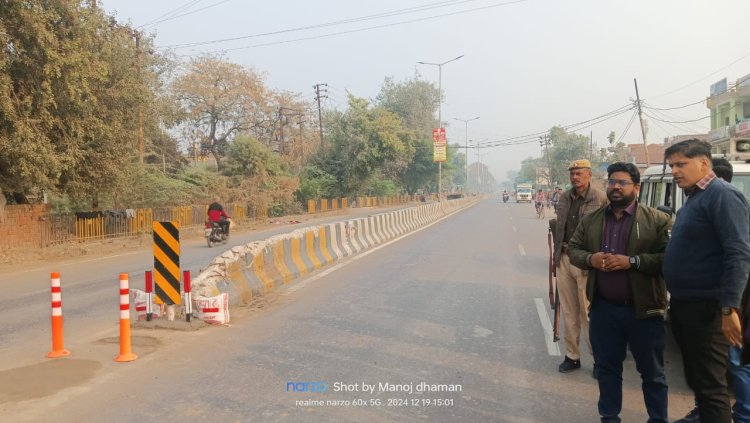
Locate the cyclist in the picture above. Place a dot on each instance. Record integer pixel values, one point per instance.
(539, 201)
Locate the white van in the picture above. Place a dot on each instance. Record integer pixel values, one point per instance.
(659, 190)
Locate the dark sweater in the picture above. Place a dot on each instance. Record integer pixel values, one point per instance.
(708, 255)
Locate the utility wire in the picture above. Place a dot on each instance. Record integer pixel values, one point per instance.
(686, 129)
(627, 127)
(683, 121)
(533, 137)
(646, 105)
(314, 37)
(327, 24)
(182, 8)
(154, 23)
(703, 77)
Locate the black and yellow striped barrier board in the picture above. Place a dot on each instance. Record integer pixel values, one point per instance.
(167, 262)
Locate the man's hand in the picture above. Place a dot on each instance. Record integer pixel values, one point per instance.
(614, 262)
(609, 262)
(598, 260)
(730, 325)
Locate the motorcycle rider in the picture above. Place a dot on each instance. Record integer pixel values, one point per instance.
(505, 195)
(217, 214)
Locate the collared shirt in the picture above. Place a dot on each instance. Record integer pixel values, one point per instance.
(615, 286)
(576, 205)
(702, 184)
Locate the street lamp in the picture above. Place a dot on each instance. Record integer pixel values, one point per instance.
(440, 111)
(466, 150)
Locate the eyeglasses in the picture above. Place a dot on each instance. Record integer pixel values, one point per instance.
(618, 182)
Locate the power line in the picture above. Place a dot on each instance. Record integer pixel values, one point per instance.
(667, 117)
(533, 137)
(328, 24)
(703, 77)
(271, 43)
(184, 7)
(645, 105)
(154, 23)
(683, 121)
(627, 127)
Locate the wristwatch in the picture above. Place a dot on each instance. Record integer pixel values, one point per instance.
(726, 311)
(633, 261)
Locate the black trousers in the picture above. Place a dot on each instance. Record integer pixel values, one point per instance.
(224, 226)
(696, 325)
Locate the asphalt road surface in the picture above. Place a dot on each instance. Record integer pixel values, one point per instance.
(443, 325)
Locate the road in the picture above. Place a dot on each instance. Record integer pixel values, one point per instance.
(452, 306)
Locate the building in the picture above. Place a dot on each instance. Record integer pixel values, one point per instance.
(637, 155)
(730, 118)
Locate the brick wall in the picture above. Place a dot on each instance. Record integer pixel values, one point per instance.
(23, 226)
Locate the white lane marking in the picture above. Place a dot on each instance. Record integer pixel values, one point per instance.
(552, 347)
(514, 229)
(521, 250)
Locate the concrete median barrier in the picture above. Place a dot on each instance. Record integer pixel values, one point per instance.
(260, 267)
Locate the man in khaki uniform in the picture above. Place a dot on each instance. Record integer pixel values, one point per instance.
(581, 199)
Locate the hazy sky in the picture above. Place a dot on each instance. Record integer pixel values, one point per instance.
(528, 65)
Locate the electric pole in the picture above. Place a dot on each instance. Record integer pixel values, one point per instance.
(640, 118)
(320, 93)
(544, 143)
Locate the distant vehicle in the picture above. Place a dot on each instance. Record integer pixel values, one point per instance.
(524, 192)
(659, 190)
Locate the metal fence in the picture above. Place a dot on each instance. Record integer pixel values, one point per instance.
(34, 226)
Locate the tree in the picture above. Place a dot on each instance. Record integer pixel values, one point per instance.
(220, 100)
(68, 89)
(365, 141)
(565, 148)
(421, 173)
(414, 100)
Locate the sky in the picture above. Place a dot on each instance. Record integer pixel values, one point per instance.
(527, 65)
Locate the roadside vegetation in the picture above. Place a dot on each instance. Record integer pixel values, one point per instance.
(93, 117)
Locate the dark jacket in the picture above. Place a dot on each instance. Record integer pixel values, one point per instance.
(594, 199)
(648, 238)
(708, 256)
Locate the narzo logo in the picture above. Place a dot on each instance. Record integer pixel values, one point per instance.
(306, 387)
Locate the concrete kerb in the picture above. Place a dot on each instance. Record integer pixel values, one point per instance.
(260, 267)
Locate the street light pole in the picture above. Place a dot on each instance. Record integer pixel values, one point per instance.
(440, 112)
(466, 149)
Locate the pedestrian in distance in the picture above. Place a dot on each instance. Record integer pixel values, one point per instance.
(739, 372)
(622, 248)
(581, 199)
(706, 267)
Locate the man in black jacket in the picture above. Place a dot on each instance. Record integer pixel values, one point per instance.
(622, 246)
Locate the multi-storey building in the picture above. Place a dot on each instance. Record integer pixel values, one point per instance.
(730, 118)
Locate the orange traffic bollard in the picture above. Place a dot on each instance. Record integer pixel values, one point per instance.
(58, 348)
(125, 353)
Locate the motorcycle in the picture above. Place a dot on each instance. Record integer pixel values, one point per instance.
(214, 234)
(505, 198)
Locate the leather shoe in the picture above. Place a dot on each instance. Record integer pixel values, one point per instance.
(569, 365)
(691, 417)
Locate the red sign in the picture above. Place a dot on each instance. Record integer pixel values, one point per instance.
(438, 135)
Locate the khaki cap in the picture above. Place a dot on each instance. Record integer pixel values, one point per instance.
(580, 164)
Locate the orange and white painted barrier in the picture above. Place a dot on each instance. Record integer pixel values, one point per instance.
(125, 352)
(58, 348)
